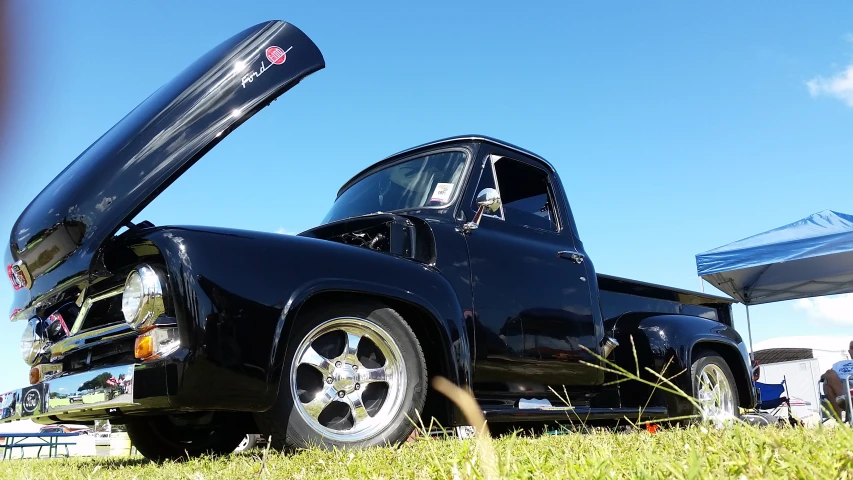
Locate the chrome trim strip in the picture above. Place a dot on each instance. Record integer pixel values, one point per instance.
(100, 389)
(87, 304)
(109, 333)
(49, 298)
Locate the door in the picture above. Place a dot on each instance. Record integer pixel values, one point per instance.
(532, 304)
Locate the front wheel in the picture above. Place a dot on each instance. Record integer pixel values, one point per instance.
(173, 437)
(714, 388)
(355, 376)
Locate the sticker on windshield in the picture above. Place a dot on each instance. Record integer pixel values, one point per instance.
(442, 193)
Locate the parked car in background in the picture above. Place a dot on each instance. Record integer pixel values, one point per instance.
(457, 258)
(66, 428)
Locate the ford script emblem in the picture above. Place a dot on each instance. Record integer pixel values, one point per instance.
(31, 402)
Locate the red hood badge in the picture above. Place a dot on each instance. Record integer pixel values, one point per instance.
(276, 55)
(19, 275)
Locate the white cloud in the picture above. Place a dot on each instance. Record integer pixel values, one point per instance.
(831, 310)
(284, 231)
(839, 86)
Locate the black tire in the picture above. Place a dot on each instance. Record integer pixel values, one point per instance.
(703, 359)
(248, 442)
(287, 426)
(160, 438)
(762, 419)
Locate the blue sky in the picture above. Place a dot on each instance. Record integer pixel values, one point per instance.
(676, 128)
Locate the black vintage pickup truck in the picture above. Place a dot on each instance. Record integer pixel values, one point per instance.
(458, 258)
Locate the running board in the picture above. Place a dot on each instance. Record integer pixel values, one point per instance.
(571, 414)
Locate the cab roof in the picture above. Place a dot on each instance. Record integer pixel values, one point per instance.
(471, 138)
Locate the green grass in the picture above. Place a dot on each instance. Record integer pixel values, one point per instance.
(739, 451)
(736, 451)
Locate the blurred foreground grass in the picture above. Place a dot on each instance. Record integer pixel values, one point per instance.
(695, 452)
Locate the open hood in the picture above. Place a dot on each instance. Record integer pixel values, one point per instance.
(54, 240)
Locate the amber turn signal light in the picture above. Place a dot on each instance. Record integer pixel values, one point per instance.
(144, 347)
(43, 371)
(156, 343)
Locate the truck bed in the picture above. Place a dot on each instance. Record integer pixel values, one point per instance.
(622, 295)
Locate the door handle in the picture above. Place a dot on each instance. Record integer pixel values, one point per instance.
(570, 255)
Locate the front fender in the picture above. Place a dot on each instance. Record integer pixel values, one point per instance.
(666, 344)
(237, 295)
(439, 301)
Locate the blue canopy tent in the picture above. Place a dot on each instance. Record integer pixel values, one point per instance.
(811, 257)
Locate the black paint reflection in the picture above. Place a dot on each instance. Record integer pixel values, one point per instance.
(61, 230)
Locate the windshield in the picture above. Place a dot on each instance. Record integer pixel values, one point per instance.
(428, 181)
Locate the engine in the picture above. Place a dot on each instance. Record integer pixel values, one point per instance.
(387, 233)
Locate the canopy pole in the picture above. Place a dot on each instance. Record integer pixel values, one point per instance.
(749, 329)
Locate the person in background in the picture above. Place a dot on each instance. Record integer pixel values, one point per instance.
(835, 386)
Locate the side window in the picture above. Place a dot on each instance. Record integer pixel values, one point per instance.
(525, 194)
(487, 180)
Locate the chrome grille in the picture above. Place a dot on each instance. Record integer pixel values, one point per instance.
(98, 321)
(102, 308)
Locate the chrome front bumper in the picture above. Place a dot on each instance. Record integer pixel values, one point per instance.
(100, 389)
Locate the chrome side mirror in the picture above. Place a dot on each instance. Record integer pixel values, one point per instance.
(488, 201)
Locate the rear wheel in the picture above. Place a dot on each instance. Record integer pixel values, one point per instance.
(355, 377)
(714, 388)
(172, 437)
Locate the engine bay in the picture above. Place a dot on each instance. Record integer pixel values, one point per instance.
(387, 233)
(374, 238)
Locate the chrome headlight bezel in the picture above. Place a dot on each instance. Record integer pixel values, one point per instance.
(142, 300)
(32, 341)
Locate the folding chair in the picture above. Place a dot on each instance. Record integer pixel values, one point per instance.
(826, 410)
(772, 396)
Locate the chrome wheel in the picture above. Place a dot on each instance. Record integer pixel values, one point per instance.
(715, 394)
(348, 379)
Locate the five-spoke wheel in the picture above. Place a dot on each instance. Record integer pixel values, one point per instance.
(348, 377)
(714, 388)
(715, 394)
(354, 376)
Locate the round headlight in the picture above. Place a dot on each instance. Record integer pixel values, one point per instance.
(131, 299)
(142, 299)
(32, 341)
